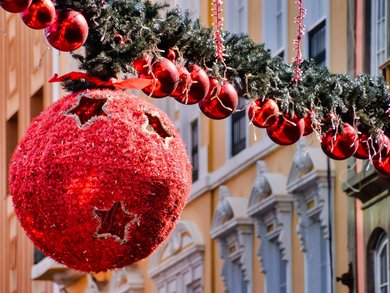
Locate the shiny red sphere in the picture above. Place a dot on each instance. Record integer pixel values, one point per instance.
(221, 100)
(165, 76)
(340, 145)
(382, 165)
(372, 146)
(68, 32)
(287, 130)
(15, 6)
(39, 15)
(198, 86)
(263, 113)
(308, 124)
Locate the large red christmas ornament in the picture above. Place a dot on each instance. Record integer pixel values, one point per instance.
(15, 6)
(193, 90)
(68, 32)
(263, 112)
(99, 180)
(221, 100)
(287, 130)
(165, 76)
(340, 145)
(39, 15)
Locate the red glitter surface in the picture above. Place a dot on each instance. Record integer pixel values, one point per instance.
(64, 177)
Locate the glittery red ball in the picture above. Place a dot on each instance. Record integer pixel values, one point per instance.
(39, 15)
(193, 89)
(166, 77)
(382, 165)
(287, 130)
(263, 113)
(221, 100)
(340, 145)
(15, 6)
(69, 30)
(99, 180)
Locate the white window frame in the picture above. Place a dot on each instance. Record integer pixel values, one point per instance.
(309, 186)
(311, 21)
(232, 19)
(383, 243)
(233, 230)
(270, 26)
(375, 63)
(178, 264)
(270, 207)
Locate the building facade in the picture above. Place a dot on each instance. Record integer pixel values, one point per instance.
(368, 192)
(260, 217)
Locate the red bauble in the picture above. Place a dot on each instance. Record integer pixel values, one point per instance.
(198, 86)
(165, 75)
(99, 180)
(340, 145)
(39, 15)
(15, 6)
(362, 151)
(221, 100)
(382, 165)
(263, 113)
(308, 124)
(68, 32)
(286, 130)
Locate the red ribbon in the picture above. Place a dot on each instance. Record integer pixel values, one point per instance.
(129, 83)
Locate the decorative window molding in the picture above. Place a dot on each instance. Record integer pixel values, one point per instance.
(308, 183)
(233, 230)
(177, 266)
(271, 210)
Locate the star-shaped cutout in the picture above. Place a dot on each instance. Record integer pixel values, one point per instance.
(87, 109)
(115, 222)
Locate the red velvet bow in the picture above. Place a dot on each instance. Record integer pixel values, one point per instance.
(129, 83)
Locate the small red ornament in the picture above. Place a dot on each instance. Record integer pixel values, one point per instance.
(119, 39)
(99, 179)
(362, 151)
(286, 130)
(193, 90)
(39, 15)
(68, 32)
(171, 55)
(165, 75)
(308, 124)
(15, 6)
(340, 145)
(263, 112)
(372, 146)
(221, 100)
(142, 63)
(382, 165)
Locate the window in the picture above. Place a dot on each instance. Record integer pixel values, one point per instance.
(274, 24)
(195, 150)
(239, 128)
(237, 16)
(380, 40)
(317, 44)
(270, 207)
(381, 265)
(232, 228)
(177, 265)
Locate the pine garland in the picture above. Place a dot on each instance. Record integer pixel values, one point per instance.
(150, 27)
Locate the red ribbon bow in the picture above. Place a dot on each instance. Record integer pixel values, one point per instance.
(129, 83)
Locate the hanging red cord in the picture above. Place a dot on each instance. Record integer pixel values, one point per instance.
(297, 42)
(218, 25)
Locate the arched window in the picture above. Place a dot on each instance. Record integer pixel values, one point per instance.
(381, 265)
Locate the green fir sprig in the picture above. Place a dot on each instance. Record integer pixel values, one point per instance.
(151, 27)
